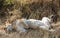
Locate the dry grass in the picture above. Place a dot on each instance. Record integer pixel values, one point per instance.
(30, 9)
(32, 33)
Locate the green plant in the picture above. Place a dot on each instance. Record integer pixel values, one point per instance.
(8, 2)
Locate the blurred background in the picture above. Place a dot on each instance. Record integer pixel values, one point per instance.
(10, 10)
(36, 9)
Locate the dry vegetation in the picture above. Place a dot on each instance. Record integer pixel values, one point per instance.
(16, 9)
